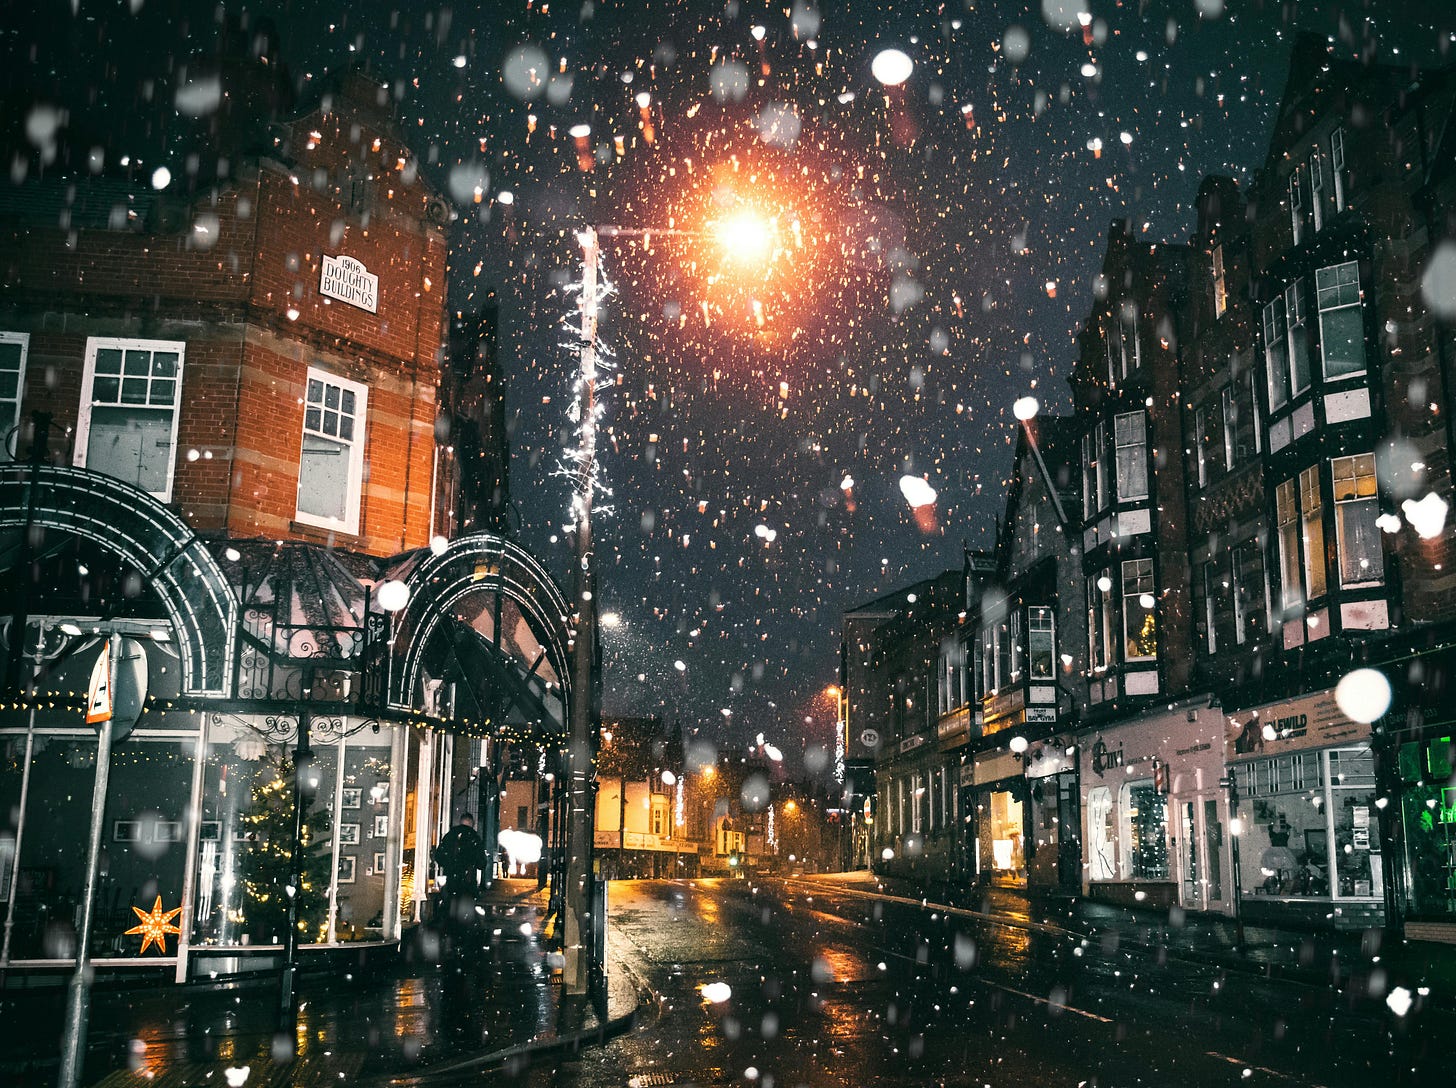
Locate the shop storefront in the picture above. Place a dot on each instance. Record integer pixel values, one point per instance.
(1309, 837)
(1053, 815)
(1426, 766)
(1153, 810)
(999, 799)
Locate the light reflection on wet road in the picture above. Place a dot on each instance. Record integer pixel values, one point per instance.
(829, 990)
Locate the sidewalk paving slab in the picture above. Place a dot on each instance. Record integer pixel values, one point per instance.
(478, 1000)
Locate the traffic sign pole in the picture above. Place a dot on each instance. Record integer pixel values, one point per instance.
(73, 1037)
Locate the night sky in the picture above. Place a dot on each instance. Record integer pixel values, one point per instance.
(935, 248)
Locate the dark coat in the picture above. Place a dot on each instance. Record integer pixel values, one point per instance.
(460, 852)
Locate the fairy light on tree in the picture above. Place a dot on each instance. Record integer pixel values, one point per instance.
(267, 858)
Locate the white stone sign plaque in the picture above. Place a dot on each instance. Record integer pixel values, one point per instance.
(349, 281)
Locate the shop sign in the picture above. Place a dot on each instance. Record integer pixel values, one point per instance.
(968, 774)
(1045, 715)
(349, 281)
(1104, 758)
(997, 765)
(1312, 721)
(909, 744)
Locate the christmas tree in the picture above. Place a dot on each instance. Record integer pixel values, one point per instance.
(267, 860)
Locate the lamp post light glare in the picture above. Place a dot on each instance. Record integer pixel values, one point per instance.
(744, 237)
(1025, 408)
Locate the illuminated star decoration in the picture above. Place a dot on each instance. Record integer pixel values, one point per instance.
(155, 925)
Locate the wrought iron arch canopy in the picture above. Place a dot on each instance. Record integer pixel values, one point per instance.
(481, 563)
(142, 532)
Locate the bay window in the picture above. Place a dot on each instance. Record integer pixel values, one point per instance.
(1200, 441)
(1316, 188)
(1129, 342)
(1130, 432)
(127, 425)
(1356, 509)
(1312, 511)
(1099, 621)
(331, 462)
(1041, 644)
(1296, 206)
(1298, 337)
(1139, 619)
(1337, 167)
(1230, 426)
(1342, 322)
(1299, 512)
(1089, 468)
(1220, 284)
(1286, 513)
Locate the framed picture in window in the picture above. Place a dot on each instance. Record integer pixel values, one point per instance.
(126, 831)
(381, 826)
(378, 862)
(167, 831)
(353, 796)
(209, 831)
(348, 866)
(349, 834)
(380, 793)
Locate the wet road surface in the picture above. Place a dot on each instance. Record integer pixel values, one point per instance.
(827, 989)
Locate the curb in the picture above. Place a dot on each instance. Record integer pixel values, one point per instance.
(1231, 962)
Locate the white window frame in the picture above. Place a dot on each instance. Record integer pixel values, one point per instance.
(1312, 532)
(1229, 407)
(1040, 620)
(353, 501)
(1129, 328)
(1336, 293)
(1133, 573)
(1359, 472)
(1139, 442)
(1316, 188)
(1258, 423)
(1296, 204)
(1276, 353)
(1296, 329)
(95, 344)
(1210, 604)
(1337, 167)
(1200, 432)
(11, 429)
(1220, 284)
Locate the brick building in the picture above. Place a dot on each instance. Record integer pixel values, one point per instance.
(220, 395)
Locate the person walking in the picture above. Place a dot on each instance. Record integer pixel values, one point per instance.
(460, 854)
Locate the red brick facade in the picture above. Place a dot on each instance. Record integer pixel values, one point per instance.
(234, 273)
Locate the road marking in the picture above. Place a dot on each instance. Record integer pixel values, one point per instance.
(1259, 1068)
(1047, 1001)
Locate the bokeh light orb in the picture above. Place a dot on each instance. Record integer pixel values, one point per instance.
(891, 67)
(1363, 695)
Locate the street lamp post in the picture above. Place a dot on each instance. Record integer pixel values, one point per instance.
(579, 943)
(302, 790)
(745, 233)
(1231, 783)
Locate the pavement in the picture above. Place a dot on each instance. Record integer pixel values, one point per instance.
(477, 996)
(1368, 961)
